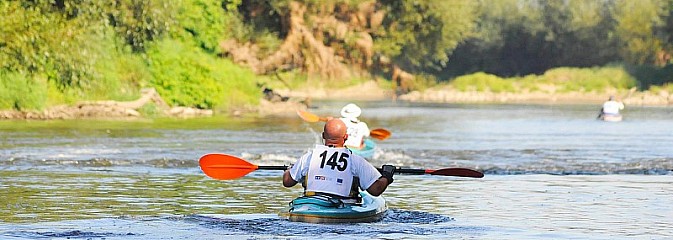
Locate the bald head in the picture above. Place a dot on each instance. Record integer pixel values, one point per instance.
(334, 132)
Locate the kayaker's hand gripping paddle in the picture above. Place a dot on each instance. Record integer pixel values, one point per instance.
(226, 167)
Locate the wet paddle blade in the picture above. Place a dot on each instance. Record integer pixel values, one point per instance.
(307, 116)
(457, 172)
(380, 134)
(225, 167)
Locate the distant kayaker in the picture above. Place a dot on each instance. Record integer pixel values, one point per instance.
(357, 130)
(611, 108)
(330, 168)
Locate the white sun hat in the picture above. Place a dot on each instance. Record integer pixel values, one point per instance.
(351, 111)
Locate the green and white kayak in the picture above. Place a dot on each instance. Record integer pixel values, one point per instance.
(326, 209)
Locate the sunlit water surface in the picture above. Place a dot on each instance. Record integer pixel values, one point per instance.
(552, 172)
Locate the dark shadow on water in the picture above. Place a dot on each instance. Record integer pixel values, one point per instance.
(396, 222)
(66, 234)
(403, 216)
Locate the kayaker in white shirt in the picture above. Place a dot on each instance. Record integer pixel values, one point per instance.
(611, 107)
(357, 130)
(330, 168)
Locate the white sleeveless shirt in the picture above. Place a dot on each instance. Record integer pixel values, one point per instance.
(356, 132)
(331, 170)
(612, 107)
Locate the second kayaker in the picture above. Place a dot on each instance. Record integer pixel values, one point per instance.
(331, 168)
(611, 107)
(357, 130)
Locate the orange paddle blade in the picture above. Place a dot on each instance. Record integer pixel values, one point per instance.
(380, 133)
(225, 167)
(310, 117)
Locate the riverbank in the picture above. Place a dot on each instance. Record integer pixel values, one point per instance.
(370, 91)
(633, 97)
(150, 103)
(367, 91)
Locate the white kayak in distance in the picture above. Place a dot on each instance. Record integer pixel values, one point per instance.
(611, 117)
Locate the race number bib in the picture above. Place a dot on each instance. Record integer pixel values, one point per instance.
(329, 171)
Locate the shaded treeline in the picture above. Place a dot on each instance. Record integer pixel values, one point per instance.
(442, 39)
(58, 51)
(523, 37)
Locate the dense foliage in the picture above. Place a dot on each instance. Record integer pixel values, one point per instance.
(58, 51)
(516, 37)
(424, 33)
(55, 51)
(507, 38)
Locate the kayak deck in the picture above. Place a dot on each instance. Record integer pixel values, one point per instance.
(611, 117)
(325, 209)
(367, 151)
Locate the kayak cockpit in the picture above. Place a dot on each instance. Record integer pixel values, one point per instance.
(329, 209)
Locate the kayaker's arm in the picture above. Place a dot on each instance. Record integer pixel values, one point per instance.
(378, 187)
(287, 179)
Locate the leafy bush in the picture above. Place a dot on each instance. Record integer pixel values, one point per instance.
(565, 79)
(38, 40)
(150, 110)
(20, 92)
(202, 22)
(482, 82)
(589, 79)
(668, 87)
(138, 22)
(186, 76)
(424, 81)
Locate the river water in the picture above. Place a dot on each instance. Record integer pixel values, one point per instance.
(552, 172)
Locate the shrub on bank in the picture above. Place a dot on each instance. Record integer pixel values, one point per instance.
(482, 82)
(663, 88)
(186, 76)
(596, 79)
(20, 92)
(589, 79)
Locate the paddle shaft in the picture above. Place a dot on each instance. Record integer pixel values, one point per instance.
(273, 168)
(399, 170)
(456, 172)
(409, 171)
(224, 167)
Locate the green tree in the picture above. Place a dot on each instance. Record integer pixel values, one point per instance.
(637, 22)
(40, 38)
(203, 22)
(422, 34)
(522, 37)
(140, 22)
